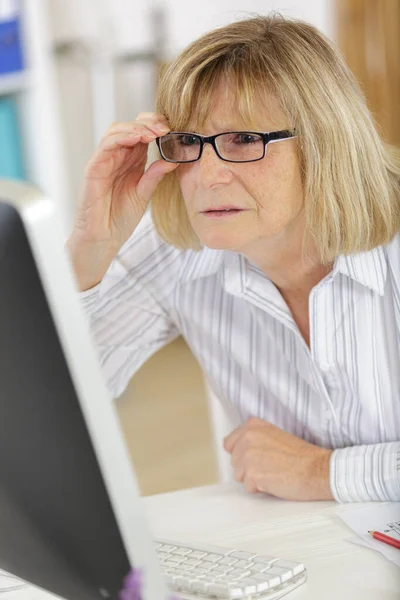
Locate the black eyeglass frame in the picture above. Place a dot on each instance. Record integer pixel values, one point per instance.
(267, 137)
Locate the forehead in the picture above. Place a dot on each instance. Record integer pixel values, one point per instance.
(229, 107)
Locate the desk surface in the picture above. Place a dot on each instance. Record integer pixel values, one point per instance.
(310, 532)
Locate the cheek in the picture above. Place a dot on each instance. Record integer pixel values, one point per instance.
(279, 188)
(186, 181)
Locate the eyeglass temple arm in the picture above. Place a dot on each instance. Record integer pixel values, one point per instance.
(275, 136)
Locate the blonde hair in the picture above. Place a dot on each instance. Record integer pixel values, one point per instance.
(351, 180)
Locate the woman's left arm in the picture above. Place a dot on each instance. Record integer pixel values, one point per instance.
(267, 459)
(366, 473)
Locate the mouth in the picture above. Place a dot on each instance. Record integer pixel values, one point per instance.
(222, 211)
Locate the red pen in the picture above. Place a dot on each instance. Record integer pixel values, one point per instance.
(386, 539)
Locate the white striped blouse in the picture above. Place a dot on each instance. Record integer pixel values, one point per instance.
(341, 393)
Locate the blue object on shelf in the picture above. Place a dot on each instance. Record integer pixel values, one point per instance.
(11, 56)
(11, 161)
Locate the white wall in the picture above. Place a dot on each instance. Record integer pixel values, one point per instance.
(188, 20)
(115, 25)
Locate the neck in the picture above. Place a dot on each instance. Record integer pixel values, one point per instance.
(283, 263)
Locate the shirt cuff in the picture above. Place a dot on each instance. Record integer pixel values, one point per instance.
(88, 299)
(366, 473)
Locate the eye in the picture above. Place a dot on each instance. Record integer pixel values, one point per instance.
(246, 138)
(188, 140)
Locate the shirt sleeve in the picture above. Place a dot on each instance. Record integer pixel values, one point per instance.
(129, 311)
(88, 299)
(366, 473)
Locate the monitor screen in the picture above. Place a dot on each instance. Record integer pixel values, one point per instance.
(57, 526)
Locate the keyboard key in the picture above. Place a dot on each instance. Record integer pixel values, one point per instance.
(259, 568)
(284, 574)
(214, 557)
(174, 572)
(227, 580)
(241, 555)
(169, 563)
(184, 583)
(222, 569)
(290, 565)
(200, 586)
(163, 555)
(198, 554)
(235, 592)
(249, 586)
(260, 576)
(265, 560)
(182, 551)
(262, 586)
(239, 573)
(272, 580)
(228, 560)
(201, 570)
(175, 558)
(192, 562)
(221, 591)
(167, 548)
(208, 565)
(243, 564)
(185, 567)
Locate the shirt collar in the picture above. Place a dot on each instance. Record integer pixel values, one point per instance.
(368, 268)
(199, 264)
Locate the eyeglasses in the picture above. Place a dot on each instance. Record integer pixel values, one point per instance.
(232, 146)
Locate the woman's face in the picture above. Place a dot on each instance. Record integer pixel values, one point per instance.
(266, 196)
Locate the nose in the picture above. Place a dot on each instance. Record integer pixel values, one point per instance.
(212, 169)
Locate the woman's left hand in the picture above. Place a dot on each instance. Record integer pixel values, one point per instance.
(267, 459)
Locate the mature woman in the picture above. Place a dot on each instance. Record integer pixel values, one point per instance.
(272, 246)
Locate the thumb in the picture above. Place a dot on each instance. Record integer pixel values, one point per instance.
(152, 177)
(231, 439)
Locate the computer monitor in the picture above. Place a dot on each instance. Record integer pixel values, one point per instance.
(71, 519)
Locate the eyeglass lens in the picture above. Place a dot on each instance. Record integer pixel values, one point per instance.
(239, 146)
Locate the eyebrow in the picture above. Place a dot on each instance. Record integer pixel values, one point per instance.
(228, 128)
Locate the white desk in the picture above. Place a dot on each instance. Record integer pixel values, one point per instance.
(310, 532)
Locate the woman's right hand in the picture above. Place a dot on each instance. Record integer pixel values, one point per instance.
(116, 192)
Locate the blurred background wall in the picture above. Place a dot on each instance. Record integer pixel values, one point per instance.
(91, 62)
(368, 33)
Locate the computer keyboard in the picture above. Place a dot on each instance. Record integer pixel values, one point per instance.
(196, 572)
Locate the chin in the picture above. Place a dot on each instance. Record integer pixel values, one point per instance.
(219, 240)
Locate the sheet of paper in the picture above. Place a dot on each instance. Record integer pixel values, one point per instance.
(380, 517)
(360, 542)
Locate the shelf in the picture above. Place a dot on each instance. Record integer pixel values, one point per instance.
(13, 83)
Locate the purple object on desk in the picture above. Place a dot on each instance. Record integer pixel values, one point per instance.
(133, 585)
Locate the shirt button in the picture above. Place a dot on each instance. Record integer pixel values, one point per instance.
(324, 366)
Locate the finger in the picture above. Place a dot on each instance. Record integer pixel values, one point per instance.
(151, 116)
(158, 127)
(144, 132)
(127, 140)
(249, 485)
(152, 177)
(114, 143)
(238, 475)
(236, 457)
(231, 440)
